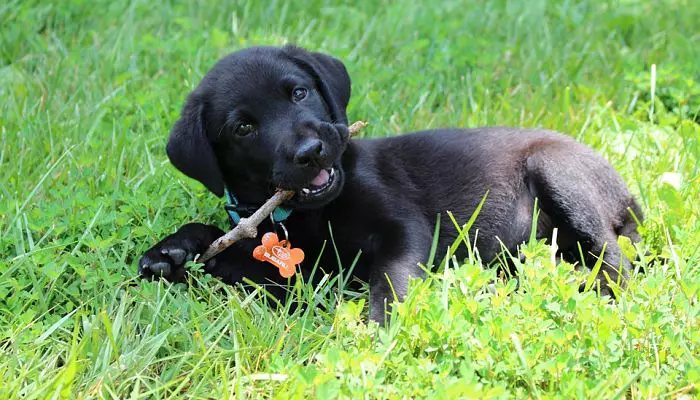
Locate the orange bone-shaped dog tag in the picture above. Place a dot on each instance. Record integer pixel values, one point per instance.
(280, 254)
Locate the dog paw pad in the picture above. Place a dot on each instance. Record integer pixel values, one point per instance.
(177, 255)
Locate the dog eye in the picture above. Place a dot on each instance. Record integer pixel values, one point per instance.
(298, 94)
(244, 129)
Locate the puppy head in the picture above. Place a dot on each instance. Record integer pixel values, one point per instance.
(265, 118)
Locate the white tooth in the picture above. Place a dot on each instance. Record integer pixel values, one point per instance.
(332, 171)
(305, 190)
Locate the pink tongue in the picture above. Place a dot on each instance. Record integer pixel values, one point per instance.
(321, 179)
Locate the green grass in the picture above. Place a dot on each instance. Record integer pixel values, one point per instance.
(89, 90)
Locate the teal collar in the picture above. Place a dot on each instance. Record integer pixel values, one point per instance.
(236, 210)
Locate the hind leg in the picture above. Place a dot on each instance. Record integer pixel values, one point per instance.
(585, 200)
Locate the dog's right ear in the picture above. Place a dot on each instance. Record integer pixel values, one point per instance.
(189, 148)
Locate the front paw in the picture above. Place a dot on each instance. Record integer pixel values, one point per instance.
(165, 262)
(167, 259)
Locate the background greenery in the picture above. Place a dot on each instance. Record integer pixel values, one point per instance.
(89, 90)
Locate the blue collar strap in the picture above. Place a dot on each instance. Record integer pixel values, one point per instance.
(235, 209)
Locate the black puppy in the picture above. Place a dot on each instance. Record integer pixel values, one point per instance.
(266, 118)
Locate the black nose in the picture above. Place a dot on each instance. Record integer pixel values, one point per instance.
(310, 152)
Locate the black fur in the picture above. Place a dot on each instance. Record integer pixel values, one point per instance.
(386, 193)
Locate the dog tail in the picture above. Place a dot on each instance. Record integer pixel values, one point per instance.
(631, 217)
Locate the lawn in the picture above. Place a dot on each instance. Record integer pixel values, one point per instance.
(90, 89)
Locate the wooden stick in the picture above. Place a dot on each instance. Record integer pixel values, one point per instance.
(247, 228)
(356, 127)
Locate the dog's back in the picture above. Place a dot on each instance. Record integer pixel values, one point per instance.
(453, 169)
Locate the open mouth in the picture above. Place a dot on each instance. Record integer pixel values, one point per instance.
(320, 185)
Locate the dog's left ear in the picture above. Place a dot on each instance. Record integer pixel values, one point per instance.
(331, 77)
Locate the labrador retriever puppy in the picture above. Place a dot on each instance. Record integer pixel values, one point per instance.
(265, 118)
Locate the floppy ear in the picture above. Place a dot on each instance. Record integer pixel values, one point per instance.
(331, 77)
(189, 149)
